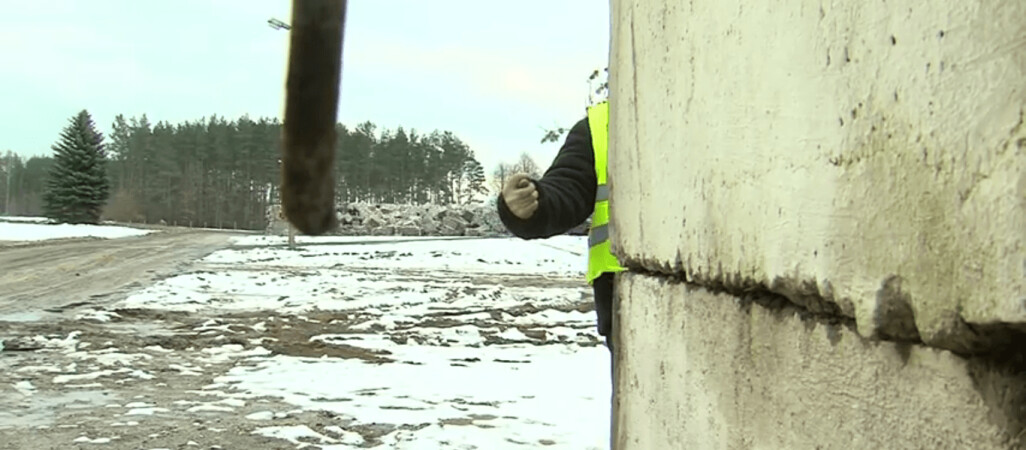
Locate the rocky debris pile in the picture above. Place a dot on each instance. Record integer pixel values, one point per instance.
(379, 219)
(419, 220)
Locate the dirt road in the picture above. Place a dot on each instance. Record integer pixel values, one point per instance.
(50, 277)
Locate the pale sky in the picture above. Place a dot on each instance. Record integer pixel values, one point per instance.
(495, 73)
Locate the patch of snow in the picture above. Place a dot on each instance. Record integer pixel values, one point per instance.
(37, 369)
(344, 436)
(83, 386)
(141, 374)
(513, 334)
(266, 240)
(335, 290)
(551, 317)
(384, 322)
(86, 440)
(229, 352)
(62, 379)
(64, 344)
(483, 354)
(186, 370)
(19, 231)
(443, 383)
(110, 357)
(25, 388)
(232, 402)
(98, 316)
(293, 434)
(261, 415)
(24, 219)
(497, 256)
(130, 423)
(483, 434)
(158, 349)
(145, 411)
(210, 408)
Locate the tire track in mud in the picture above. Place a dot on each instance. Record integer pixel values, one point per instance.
(78, 272)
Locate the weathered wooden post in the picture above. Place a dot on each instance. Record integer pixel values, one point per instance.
(311, 109)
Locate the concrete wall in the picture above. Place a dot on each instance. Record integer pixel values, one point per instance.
(861, 161)
(708, 370)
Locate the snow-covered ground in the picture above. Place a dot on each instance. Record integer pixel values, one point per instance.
(36, 229)
(24, 219)
(345, 342)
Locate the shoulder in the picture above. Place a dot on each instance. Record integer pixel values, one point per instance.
(579, 137)
(581, 128)
(576, 153)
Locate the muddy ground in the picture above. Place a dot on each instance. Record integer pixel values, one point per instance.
(50, 276)
(77, 371)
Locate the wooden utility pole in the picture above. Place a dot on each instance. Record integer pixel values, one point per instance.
(311, 109)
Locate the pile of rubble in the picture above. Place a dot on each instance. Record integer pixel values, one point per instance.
(420, 220)
(376, 219)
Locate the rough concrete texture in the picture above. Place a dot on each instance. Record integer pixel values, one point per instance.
(698, 369)
(863, 158)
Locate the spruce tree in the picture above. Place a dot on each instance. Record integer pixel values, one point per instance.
(77, 186)
(474, 180)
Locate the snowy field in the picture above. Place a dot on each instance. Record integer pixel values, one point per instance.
(344, 342)
(36, 229)
(24, 219)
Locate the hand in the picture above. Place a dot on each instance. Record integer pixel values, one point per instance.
(521, 196)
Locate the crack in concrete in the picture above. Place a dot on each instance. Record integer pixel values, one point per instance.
(1002, 343)
(999, 376)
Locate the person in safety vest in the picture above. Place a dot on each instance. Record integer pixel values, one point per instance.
(572, 188)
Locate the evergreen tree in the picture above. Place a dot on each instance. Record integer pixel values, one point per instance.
(29, 185)
(118, 151)
(77, 186)
(474, 180)
(7, 166)
(216, 172)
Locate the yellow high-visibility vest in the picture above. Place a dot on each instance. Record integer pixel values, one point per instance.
(600, 257)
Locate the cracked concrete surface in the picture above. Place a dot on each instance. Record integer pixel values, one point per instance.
(906, 161)
(697, 368)
(862, 162)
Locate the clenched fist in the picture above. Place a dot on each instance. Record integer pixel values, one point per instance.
(521, 196)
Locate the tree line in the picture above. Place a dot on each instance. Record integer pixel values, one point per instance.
(23, 183)
(222, 173)
(505, 170)
(216, 172)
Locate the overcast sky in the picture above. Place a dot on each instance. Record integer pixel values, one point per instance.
(493, 72)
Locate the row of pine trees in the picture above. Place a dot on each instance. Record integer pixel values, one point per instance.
(222, 173)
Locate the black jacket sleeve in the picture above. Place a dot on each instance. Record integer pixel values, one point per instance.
(566, 192)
